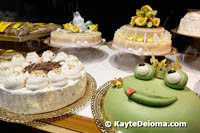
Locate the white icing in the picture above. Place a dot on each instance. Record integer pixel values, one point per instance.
(84, 43)
(57, 79)
(31, 93)
(61, 56)
(18, 59)
(79, 21)
(136, 51)
(192, 16)
(15, 81)
(5, 64)
(71, 71)
(143, 70)
(173, 77)
(47, 56)
(33, 58)
(18, 68)
(36, 81)
(4, 72)
(69, 45)
(71, 58)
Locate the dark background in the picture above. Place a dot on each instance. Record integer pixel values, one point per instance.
(110, 15)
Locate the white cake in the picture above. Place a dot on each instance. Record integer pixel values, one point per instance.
(189, 24)
(76, 33)
(43, 84)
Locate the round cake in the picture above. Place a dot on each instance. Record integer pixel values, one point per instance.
(189, 24)
(153, 95)
(143, 36)
(37, 84)
(76, 34)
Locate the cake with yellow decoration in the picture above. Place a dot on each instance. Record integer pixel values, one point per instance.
(77, 33)
(143, 36)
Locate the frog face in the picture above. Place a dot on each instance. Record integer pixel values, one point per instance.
(152, 91)
(175, 79)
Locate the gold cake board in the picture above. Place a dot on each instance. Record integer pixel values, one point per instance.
(98, 110)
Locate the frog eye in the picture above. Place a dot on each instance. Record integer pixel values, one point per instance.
(144, 71)
(173, 77)
(176, 79)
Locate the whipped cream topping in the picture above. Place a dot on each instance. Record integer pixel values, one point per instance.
(18, 59)
(70, 72)
(15, 80)
(33, 58)
(36, 80)
(5, 64)
(61, 56)
(48, 56)
(18, 68)
(71, 58)
(4, 72)
(57, 78)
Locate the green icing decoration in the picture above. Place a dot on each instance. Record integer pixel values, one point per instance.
(154, 12)
(68, 30)
(181, 84)
(150, 24)
(148, 76)
(152, 100)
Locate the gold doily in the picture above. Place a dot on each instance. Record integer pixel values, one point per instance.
(97, 108)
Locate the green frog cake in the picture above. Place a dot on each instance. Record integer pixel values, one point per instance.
(153, 100)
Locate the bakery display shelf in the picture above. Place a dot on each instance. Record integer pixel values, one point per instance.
(74, 107)
(97, 108)
(31, 36)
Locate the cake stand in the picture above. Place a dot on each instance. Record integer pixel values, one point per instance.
(126, 59)
(31, 119)
(86, 54)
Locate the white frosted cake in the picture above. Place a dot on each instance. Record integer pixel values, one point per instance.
(76, 34)
(36, 84)
(190, 23)
(143, 36)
